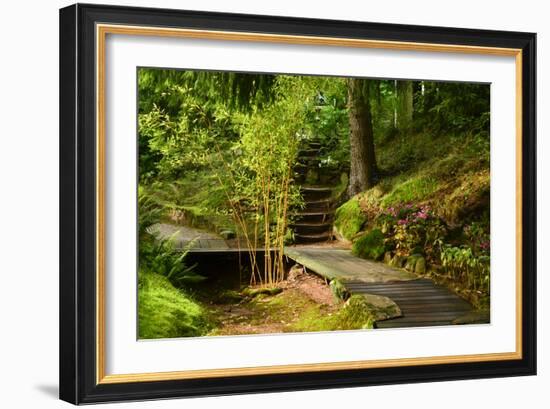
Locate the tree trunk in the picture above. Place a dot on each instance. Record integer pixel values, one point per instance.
(362, 156)
(404, 105)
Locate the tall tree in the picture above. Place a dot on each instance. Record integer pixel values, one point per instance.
(404, 105)
(362, 155)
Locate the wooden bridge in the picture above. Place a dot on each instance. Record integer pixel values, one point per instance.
(422, 302)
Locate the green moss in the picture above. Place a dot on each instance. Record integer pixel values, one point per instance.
(414, 189)
(370, 245)
(355, 314)
(166, 312)
(349, 219)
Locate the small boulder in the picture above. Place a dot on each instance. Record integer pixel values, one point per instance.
(398, 261)
(381, 307)
(420, 267)
(413, 260)
(295, 272)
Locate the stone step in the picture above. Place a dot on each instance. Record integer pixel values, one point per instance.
(310, 193)
(301, 227)
(314, 217)
(308, 153)
(319, 205)
(312, 238)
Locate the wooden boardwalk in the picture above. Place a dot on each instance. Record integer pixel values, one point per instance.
(422, 302)
(337, 263)
(188, 237)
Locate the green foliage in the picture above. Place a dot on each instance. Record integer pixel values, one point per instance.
(349, 219)
(455, 106)
(258, 179)
(370, 245)
(166, 312)
(327, 120)
(462, 264)
(157, 255)
(149, 213)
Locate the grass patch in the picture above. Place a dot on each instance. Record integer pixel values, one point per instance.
(166, 312)
(349, 218)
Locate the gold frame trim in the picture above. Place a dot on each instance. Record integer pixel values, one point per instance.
(101, 32)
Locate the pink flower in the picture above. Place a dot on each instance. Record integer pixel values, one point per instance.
(402, 222)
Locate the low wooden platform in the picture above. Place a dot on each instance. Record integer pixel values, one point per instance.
(340, 263)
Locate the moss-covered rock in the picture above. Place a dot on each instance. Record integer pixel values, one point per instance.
(349, 219)
(254, 292)
(357, 313)
(398, 261)
(370, 245)
(381, 307)
(339, 291)
(416, 263)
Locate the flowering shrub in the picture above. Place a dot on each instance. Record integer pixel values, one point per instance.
(409, 227)
(478, 237)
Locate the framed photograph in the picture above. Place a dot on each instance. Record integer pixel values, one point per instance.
(258, 203)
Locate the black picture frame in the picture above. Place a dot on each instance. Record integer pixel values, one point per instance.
(78, 308)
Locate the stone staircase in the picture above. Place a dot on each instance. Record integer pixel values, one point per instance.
(313, 223)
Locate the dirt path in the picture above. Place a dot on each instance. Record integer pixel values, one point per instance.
(303, 296)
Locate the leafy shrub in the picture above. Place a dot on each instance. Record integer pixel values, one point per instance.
(412, 229)
(349, 218)
(370, 245)
(477, 234)
(166, 312)
(159, 256)
(463, 265)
